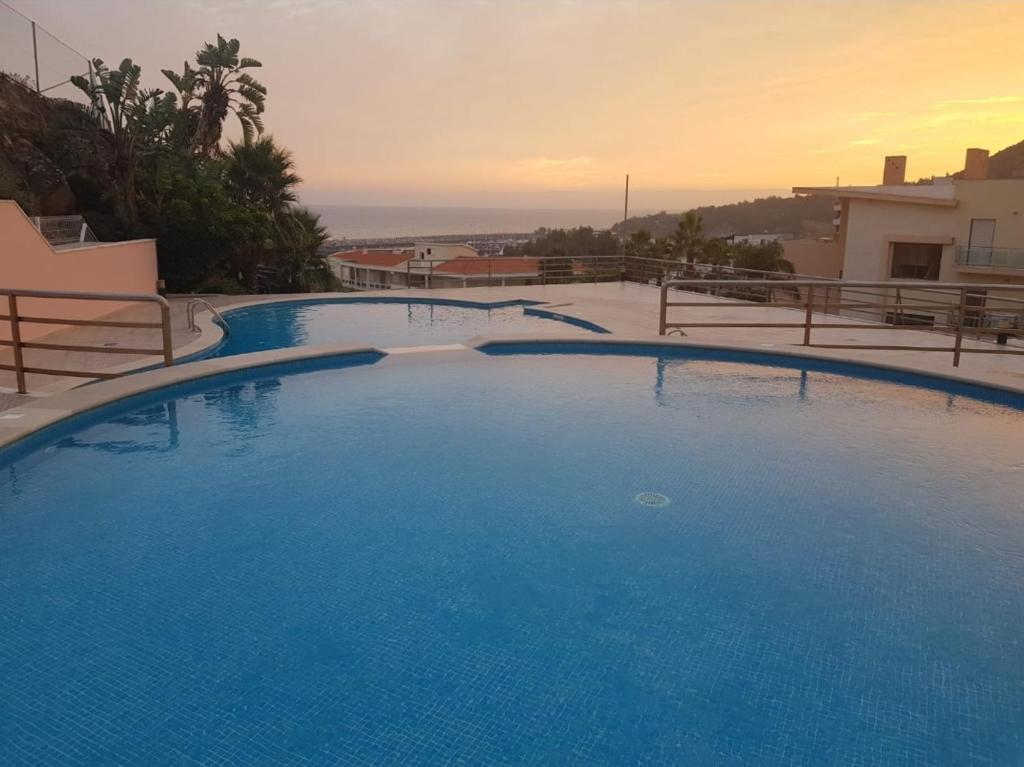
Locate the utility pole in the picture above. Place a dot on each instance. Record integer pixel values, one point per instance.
(625, 215)
(35, 56)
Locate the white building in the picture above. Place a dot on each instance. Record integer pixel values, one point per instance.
(443, 251)
(758, 239)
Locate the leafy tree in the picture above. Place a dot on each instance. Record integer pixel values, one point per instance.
(574, 243)
(134, 117)
(715, 252)
(220, 86)
(769, 257)
(200, 230)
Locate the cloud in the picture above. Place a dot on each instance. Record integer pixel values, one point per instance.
(569, 171)
(980, 102)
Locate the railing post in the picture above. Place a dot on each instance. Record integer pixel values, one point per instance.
(664, 310)
(19, 364)
(958, 344)
(809, 316)
(165, 330)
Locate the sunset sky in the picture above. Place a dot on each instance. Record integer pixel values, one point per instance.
(548, 103)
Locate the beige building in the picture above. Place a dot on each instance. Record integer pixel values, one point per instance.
(968, 229)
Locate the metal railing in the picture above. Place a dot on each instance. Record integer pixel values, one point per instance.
(15, 321)
(190, 315)
(957, 309)
(541, 270)
(64, 230)
(1005, 258)
(39, 59)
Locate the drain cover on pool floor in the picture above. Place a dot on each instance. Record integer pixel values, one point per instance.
(652, 499)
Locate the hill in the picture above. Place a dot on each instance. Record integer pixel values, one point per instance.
(1006, 163)
(807, 216)
(803, 216)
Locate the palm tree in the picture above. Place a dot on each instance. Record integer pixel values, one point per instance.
(688, 237)
(639, 243)
(261, 175)
(297, 265)
(220, 86)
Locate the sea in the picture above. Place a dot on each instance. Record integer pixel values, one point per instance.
(356, 222)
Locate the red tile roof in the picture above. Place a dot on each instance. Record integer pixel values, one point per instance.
(373, 257)
(488, 265)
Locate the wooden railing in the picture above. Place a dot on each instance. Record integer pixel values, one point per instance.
(15, 320)
(955, 309)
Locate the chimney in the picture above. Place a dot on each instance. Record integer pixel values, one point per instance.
(895, 172)
(976, 165)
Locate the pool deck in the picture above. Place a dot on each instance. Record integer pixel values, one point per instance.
(627, 310)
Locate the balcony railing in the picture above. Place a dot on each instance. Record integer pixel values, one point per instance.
(994, 258)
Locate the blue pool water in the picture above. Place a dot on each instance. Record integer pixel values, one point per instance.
(383, 322)
(424, 561)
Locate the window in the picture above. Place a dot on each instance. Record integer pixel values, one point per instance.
(430, 251)
(915, 261)
(983, 233)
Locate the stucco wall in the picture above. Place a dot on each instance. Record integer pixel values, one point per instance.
(872, 224)
(815, 257)
(1001, 199)
(28, 261)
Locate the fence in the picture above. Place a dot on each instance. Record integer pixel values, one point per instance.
(494, 271)
(986, 312)
(63, 231)
(16, 319)
(38, 58)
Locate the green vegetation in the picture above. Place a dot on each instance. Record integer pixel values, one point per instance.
(687, 244)
(153, 163)
(568, 243)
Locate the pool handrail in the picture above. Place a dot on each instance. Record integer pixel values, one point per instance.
(190, 315)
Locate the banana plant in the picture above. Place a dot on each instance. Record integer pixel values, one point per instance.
(134, 116)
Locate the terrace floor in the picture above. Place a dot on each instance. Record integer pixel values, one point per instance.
(628, 310)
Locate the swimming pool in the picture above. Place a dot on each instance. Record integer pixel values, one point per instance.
(615, 557)
(384, 322)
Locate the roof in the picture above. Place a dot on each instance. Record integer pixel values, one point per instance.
(373, 257)
(913, 194)
(488, 265)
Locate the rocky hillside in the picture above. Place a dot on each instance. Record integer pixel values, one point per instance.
(51, 153)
